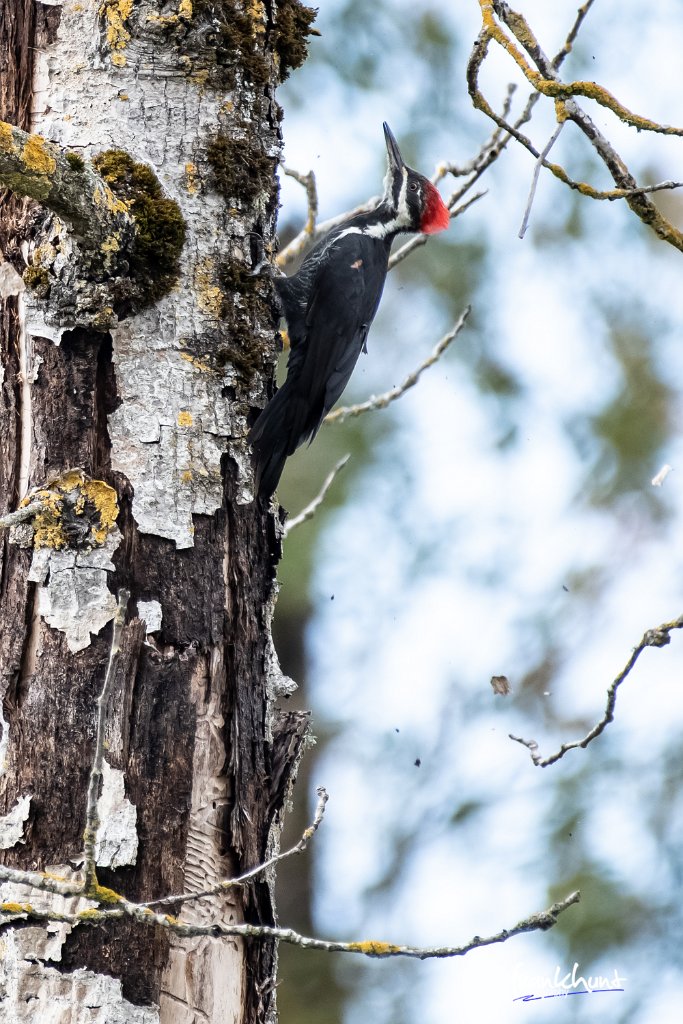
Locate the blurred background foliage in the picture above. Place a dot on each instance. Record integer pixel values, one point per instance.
(498, 519)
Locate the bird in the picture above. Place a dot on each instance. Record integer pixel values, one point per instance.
(329, 305)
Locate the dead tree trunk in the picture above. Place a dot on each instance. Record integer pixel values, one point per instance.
(139, 370)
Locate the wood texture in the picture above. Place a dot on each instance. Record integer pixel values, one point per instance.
(207, 762)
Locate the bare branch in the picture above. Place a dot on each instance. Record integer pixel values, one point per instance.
(559, 57)
(297, 245)
(310, 510)
(382, 401)
(534, 180)
(91, 817)
(492, 144)
(419, 240)
(658, 637)
(230, 883)
(659, 477)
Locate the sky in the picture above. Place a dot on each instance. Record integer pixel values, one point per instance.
(461, 554)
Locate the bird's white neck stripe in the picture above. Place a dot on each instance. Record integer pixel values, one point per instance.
(401, 220)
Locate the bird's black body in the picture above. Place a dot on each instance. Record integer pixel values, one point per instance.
(329, 306)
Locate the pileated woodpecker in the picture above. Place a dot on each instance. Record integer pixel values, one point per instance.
(329, 305)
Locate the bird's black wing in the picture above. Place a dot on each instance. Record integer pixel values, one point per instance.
(344, 298)
(347, 279)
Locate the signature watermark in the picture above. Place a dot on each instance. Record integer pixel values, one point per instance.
(569, 983)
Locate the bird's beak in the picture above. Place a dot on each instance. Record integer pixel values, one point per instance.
(393, 152)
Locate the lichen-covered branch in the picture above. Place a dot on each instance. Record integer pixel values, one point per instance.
(65, 184)
(658, 637)
(545, 80)
(544, 77)
(112, 906)
(21, 515)
(115, 242)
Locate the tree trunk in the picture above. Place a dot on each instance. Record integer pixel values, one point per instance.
(156, 406)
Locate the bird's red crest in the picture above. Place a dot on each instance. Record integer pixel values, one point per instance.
(436, 216)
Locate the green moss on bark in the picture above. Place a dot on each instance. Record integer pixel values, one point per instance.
(38, 280)
(293, 23)
(247, 303)
(240, 170)
(75, 161)
(159, 225)
(226, 43)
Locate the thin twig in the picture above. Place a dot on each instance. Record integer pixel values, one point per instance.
(658, 637)
(231, 883)
(21, 514)
(91, 816)
(493, 143)
(571, 36)
(382, 401)
(310, 510)
(534, 179)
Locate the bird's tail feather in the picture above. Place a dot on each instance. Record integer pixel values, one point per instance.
(284, 424)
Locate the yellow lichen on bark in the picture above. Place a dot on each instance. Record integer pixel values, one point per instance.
(102, 894)
(116, 13)
(191, 179)
(91, 916)
(209, 295)
(94, 498)
(36, 157)
(103, 196)
(16, 908)
(111, 244)
(372, 948)
(6, 138)
(198, 363)
(48, 531)
(103, 497)
(184, 418)
(256, 10)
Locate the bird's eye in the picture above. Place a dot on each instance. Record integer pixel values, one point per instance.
(413, 186)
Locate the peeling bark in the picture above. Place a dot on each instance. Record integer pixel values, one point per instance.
(156, 403)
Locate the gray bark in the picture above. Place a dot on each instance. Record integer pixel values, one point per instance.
(154, 399)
